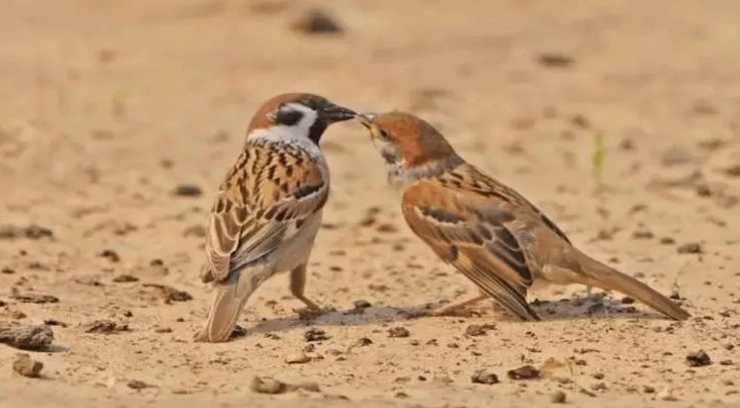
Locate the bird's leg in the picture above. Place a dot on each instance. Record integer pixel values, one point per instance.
(297, 287)
(455, 308)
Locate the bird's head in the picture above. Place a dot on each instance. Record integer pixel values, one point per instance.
(406, 141)
(300, 114)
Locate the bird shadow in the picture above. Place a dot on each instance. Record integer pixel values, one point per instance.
(594, 306)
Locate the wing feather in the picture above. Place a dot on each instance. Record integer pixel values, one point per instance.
(472, 234)
(264, 200)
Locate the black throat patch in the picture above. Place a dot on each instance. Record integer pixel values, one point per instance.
(317, 130)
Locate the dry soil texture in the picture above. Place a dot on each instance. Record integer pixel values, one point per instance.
(109, 106)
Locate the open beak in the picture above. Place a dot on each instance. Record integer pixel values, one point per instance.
(366, 119)
(335, 113)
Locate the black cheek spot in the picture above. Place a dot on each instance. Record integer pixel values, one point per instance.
(288, 117)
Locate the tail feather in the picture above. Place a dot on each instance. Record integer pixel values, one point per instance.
(603, 276)
(231, 296)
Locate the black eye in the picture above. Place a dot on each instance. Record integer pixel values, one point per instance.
(384, 135)
(288, 117)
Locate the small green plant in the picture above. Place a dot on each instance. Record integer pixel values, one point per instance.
(597, 158)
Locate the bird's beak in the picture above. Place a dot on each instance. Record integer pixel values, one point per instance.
(366, 119)
(335, 113)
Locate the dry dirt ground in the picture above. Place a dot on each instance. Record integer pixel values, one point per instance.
(108, 107)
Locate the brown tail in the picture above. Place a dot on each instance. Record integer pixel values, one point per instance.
(231, 295)
(602, 276)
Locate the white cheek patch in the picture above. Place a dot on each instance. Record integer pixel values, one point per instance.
(309, 115)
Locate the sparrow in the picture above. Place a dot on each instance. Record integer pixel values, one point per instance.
(486, 230)
(268, 209)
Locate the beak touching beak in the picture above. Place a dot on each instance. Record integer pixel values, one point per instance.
(335, 113)
(366, 119)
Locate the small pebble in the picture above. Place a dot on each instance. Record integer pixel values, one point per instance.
(125, 278)
(34, 338)
(315, 334)
(111, 255)
(479, 329)
(317, 21)
(698, 359)
(362, 304)
(555, 60)
(484, 377)
(666, 394)
(137, 385)
(363, 341)
(558, 397)
(297, 358)
(187, 190)
(398, 331)
(262, 385)
(27, 367)
(526, 372)
(627, 300)
(689, 248)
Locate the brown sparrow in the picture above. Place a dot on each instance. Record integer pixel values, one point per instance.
(268, 209)
(486, 230)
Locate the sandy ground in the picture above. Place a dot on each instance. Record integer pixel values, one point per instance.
(109, 106)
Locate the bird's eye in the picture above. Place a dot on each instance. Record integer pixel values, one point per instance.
(384, 134)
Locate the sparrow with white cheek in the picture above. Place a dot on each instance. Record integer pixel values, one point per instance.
(486, 230)
(268, 209)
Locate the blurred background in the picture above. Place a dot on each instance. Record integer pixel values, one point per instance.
(620, 119)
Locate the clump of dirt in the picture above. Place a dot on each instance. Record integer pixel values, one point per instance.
(698, 359)
(170, 294)
(36, 338)
(104, 327)
(266, 385)
(484, 377)
(27, 367)
(317, 21)
(526, 372)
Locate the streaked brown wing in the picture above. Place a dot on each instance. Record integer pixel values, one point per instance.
(265, 199)
(471, 234)
(479, 183)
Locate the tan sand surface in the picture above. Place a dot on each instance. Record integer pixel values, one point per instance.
(108, 106)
